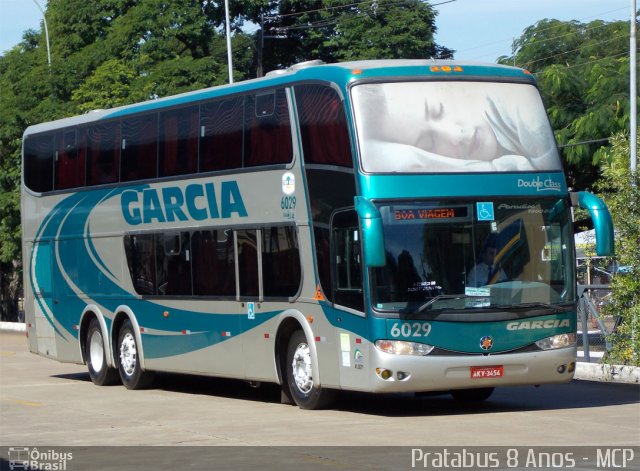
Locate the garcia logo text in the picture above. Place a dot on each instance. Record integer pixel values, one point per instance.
(532, 325)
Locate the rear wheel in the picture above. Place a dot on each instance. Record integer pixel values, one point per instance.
(299, 375)
(131, 374)
(472, 395)
(95, 354)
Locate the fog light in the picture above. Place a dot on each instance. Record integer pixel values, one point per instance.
(562, 369)
(401, 375)
(384, 373)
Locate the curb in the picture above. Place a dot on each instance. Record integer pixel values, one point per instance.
(584, 371)
(13, 327)
(607, 373)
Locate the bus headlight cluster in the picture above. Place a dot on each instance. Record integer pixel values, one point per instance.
(557, 341)
(400, 347)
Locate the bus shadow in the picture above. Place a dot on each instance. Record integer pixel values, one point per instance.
(574, 395)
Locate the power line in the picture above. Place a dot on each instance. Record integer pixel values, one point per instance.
(576, 49)
(285, 15)
(582, 143)
(539, 31)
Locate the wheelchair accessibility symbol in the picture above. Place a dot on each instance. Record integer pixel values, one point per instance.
(485, 211)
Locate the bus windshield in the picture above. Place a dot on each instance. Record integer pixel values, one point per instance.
(470, 255)
(453, 126)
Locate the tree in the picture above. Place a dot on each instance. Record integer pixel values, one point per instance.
(623, 200)
(109, 53)
(582, 70)
(383, 29)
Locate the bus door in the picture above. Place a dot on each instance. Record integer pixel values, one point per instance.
(43, 298)
(348, 297)
(257, 351)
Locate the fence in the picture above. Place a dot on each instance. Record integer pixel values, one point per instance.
(594, 328)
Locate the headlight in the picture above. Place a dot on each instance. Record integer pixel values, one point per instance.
(400, 347)
(557, 341)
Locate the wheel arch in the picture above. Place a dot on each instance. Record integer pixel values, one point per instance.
(293, 320)
(124, 313)
(90, 312)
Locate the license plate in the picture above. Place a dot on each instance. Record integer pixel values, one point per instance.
(482, 372)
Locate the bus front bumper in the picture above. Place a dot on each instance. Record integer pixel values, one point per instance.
(400, 373)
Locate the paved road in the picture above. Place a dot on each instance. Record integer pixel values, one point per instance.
(43, 402)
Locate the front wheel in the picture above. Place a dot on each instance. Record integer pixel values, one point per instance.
(299, 374)
(472, 395)
(95, 354)
(131, 374)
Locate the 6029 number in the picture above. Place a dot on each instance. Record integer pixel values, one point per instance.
(409, 329)
(288, 202)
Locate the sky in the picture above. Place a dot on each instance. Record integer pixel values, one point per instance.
(480, 30)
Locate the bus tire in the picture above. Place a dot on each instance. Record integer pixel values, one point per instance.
(299, 375)
(100, 372)
(470, 396)
(131, 374)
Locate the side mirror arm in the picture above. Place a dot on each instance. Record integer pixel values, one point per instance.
(602, 222)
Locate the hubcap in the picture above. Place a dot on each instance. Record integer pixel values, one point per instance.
(301, 368)
(96, 351)
(128, 354)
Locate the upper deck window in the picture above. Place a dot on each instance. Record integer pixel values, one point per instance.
(221, 134)
(139, 148)
(267, 137)
(178, 141)
(459, 127)
(224, 134)
(38, 162)
(69, 164)
(103, 153)
(323, 126)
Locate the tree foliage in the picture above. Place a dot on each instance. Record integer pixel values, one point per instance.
(108, 53)
(583, 73)
(623, 200)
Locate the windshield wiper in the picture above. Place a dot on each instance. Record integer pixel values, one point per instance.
(513, 307)
(440, 297)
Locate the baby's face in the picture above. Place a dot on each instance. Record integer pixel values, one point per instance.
(448, 124)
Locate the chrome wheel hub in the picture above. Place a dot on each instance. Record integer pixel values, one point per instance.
(301, 368)
(96, 351)
(128, 355)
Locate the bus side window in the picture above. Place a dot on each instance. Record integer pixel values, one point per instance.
(141, 259)
(139, 148)
(173, 259)
(213, 263)
(179, 141)
(267, 139)
(69, 163)
(221, 134)
(281, 271)
(323, 126)
(248, 263)
(38, 162)
(103, 153)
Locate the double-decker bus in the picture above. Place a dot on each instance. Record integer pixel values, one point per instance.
(378, 226)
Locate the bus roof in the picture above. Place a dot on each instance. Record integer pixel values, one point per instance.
(342, 73)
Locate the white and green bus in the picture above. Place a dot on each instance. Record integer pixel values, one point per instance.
(378, 226)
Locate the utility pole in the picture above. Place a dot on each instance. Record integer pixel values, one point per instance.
(46, 32)
(229, 60)
(633, 93)
(259, 67)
